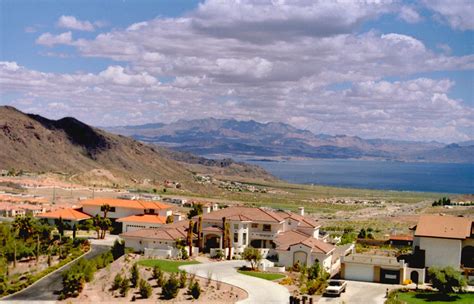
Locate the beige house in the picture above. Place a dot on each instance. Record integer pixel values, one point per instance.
(442, 240)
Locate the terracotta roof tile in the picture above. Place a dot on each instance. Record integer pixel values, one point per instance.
(240, 213)
(401, 237)
(293, 237)
(450, 227)
(66, 214)
(133, 204)
(305, 222)
(144, 218)
(168, 232)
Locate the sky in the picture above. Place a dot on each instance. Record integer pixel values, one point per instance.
(374, 69)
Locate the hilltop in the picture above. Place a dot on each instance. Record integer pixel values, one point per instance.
(36, 144)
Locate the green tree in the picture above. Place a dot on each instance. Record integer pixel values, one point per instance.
(195, 210)
(24, 225)
(145, 289)
(199, 233)
(118, 249)
(135, 275)
(252, 255)
(446, 280)
(314, 271)
(170, 288)
(169, 219)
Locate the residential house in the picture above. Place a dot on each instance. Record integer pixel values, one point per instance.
(70, 216)
(443, 240)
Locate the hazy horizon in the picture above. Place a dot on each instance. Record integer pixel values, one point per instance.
(397, 70)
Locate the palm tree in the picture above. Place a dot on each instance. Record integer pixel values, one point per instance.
(200, 245)
(228, 241)
(190, 237)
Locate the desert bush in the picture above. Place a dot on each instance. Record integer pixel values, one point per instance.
(170, 288)
(134, 275)
(195, 290)
(182, 279)
(117, 282)
(145, 289)
(124, 287)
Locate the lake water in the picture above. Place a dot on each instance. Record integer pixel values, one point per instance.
(427, 177)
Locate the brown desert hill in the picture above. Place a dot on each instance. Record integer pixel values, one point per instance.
(34, 143)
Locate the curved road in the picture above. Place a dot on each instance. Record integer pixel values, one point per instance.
(259, 290)
(48, 288)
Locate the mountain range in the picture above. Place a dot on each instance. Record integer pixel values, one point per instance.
(68, 146)
(253, 139)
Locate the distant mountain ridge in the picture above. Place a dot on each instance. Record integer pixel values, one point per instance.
(274, 139)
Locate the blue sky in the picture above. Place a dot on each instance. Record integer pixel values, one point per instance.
(387, 69)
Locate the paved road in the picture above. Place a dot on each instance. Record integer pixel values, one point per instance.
(47, 289)
(361, 293)
(259, 290)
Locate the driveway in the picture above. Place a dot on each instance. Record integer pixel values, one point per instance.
(48, 288)
(361, 293)
(259, 290)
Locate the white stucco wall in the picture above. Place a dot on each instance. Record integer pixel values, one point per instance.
(132, 226)
(441, 252)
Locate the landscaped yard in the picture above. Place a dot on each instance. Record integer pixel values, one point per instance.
(432, 297)
(262, 275)
(166, 265)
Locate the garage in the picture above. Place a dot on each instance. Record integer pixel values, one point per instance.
(359, 272)
(390, 276)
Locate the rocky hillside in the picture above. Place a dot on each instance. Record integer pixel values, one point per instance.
(33, 143)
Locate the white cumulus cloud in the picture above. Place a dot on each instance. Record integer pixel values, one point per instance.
(71, 22)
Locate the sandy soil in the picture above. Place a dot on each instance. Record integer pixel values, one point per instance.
(99, 289)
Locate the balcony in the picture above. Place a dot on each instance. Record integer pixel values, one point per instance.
(262, 235)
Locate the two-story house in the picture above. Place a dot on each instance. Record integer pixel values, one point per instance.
(443, 240)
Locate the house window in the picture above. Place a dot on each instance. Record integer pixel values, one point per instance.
(244, 236)
(245, 226)
(254, 225)
(236, 226)
(267, 227)
(236, 237)
(149, 211)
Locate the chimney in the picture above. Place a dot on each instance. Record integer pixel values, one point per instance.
(177, 217)
(301, 209)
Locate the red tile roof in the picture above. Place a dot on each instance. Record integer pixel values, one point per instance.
(305, 222)
(444, 226)
(401, 237)
(133, 204)
(290, 238)
(240, 213)
(168, 232)
(66, 214)
(144, 218)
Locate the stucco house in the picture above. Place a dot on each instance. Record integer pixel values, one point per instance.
(443, 240)
(285, 237)
(70, 216)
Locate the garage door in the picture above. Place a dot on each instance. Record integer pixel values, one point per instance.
(359, 272)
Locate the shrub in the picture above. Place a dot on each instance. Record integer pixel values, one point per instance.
(117, 282)
(124, 287)
(316, 286)
(118, 249)
(135, 275)
(73, 283)
(252, 255)
(145, 289)
(314, 271)
(447, 279)
(184, 253)
(182, 279)
(170, 288)
(195, 290)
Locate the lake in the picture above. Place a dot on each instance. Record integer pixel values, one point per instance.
(370, 174)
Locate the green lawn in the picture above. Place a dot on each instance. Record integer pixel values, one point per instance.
(432, 297)
(262, 275)
(166, 265)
